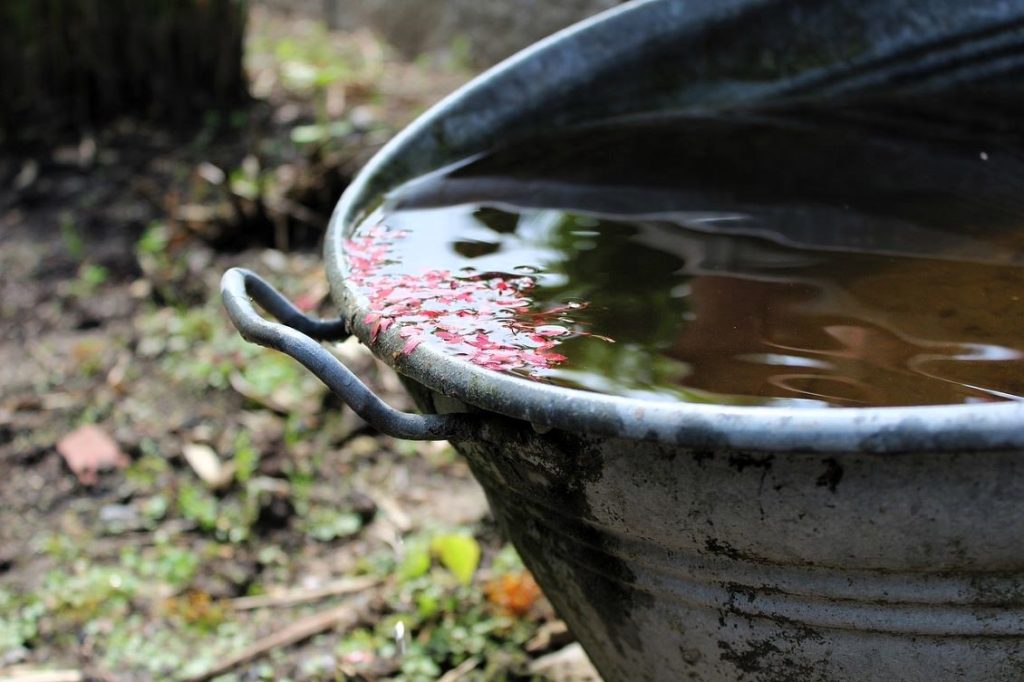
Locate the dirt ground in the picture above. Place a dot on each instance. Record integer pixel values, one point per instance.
(242, 522)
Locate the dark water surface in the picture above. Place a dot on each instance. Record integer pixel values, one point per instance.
(838, 259)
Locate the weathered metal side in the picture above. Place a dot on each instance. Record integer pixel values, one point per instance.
(707, 564)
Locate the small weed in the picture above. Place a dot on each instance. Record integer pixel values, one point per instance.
(446, 617)
(296, 429)
(164, 563)
(312, 64)
(59, 547)
(154, 509)
(460, 52)
(19, 624)
(277, 380)
(417, 665)
(246, 457)
(198, 505)
(87, 282)
(147, 470)
(301, 482)
(154, 241)
(324, 525)
(229, 519)
(417, 560)
(171, 651)
(166, 267)
(197, 348)
(251, 184)
(89, 592)
(71, 236)
(90, 278)
(93, 275)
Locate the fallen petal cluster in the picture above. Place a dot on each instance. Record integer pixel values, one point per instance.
(488, 319)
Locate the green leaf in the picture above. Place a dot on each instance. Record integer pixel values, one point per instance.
(459, 553)
(427, 605)
(415, 563)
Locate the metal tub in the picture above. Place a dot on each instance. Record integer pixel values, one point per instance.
(684, 541)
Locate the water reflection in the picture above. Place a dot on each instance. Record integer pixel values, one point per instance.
(738, 262)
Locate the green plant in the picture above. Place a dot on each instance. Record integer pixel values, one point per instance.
(89, 591)
(90, 278)
(198, 505)
(165, 563)
(145, 471)
(246, 458)
(459, 553)
(19, 620)
(324, 524)
(154, 240)
(71, 236)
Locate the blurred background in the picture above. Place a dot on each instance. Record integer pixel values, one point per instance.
(176, 503)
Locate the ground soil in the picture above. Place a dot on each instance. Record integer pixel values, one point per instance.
(111, 248)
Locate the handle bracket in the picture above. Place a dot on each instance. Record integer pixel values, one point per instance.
(298, 336)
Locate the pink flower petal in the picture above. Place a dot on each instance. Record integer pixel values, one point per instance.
(489, 321)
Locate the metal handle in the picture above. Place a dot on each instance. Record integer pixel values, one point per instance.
(298, 336)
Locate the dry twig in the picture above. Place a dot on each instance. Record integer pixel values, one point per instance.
(41, 676)
(393, 510)
(460, 671)
(551, 632)
(299, 596)
(341, 617)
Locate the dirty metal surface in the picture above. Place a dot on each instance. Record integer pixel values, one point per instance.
(674, 563)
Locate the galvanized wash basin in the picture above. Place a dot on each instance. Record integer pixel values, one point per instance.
(685, 541)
